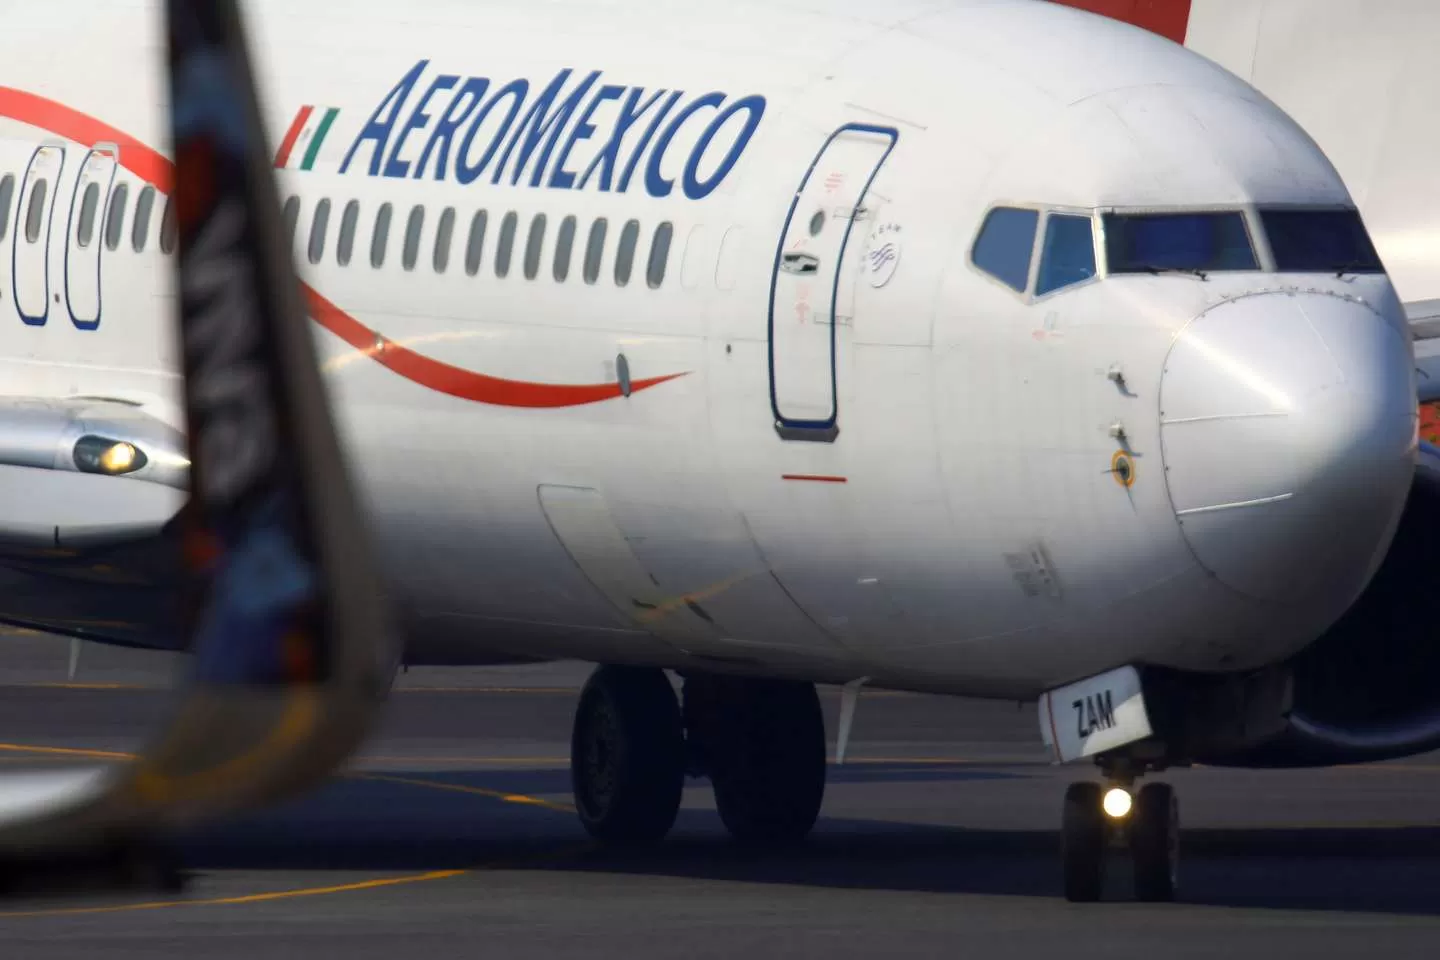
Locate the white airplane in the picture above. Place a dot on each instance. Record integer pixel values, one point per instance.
(988, 348)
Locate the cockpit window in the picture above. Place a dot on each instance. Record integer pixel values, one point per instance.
(1068, 256)
(1186, 242)
(1320, 241)
(1005, 244)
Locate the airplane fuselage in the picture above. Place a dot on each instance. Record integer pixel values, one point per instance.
(664, 340)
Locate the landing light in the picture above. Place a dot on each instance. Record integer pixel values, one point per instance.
(1117, 803)
(103, 455)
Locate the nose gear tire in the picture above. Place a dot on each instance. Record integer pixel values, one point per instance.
(1083, 841)
(1155, 843)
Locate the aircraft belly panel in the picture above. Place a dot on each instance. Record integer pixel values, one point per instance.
(583, 524)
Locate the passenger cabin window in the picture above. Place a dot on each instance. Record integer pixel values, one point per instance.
(564, 249)
(1178, 242)
(319, 226)
(35, 214)
(1320, 241)
(169, 228)
(345, 245)
(444, 233)
(1068, 256)
(1006, 244)
(506, 245)
(140, 226)
(85, 223)
(659, 255)
(625, 255)
(413, 226)
(475, 245)
(533, 246)
(381, 237)
(115, 217)
(7, 196)
(291, 215)
(595, 249)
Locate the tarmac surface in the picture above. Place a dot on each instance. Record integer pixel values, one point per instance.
(453, 835)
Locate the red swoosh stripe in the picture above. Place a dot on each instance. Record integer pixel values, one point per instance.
(456, 381)
(156, 169)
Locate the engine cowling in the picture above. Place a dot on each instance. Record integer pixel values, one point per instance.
(1369, 688)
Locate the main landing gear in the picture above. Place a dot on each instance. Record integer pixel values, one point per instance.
(1098, 819)
(761, 742)
(627, 756)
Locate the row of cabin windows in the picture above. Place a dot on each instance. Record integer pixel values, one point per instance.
(114, 231)
(86, 221)
(505, 246)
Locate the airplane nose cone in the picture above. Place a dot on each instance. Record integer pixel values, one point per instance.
(1288, 433)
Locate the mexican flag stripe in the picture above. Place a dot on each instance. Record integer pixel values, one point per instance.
(303, 133)
(318, 138)
(282, 156)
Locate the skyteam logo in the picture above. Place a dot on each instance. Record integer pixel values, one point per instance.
(882, 254)
(576, 132)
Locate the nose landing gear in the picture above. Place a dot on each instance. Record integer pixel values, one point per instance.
(1097, 820)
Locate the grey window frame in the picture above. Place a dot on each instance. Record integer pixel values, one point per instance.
(290, 216)
(625, 252)
(475, 242)
(564, 249)
(535, 245)
(169, 227)
(115, 216)
(1097, 252)
(35, 210)
(380, 238)
(444, 236)
(140, 223)
(414, 230)
(657, 264)
(349, 225)
(1255, 214)
(1249, 218)
(1254, 228)
(595, 249)
(505, 246)
(7, 197)
(319, 227)
(1035, 245)
(85, 222)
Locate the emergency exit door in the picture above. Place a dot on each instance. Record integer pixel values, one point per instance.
(31, 234)
(84, 238)
(814, 258)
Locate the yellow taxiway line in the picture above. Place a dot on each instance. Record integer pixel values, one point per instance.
(246, 898)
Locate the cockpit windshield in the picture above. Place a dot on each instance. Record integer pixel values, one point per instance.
(1196, 243)
(1320, 241)
(1187, 242)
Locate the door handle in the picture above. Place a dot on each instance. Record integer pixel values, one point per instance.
(802, 264)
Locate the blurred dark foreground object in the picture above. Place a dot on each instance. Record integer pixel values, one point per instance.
(293, 653)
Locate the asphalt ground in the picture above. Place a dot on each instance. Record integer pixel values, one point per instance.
(453, 836)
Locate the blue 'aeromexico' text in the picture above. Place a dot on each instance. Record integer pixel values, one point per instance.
(472, 127)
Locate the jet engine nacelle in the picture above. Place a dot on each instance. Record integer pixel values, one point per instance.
(1368, 689)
